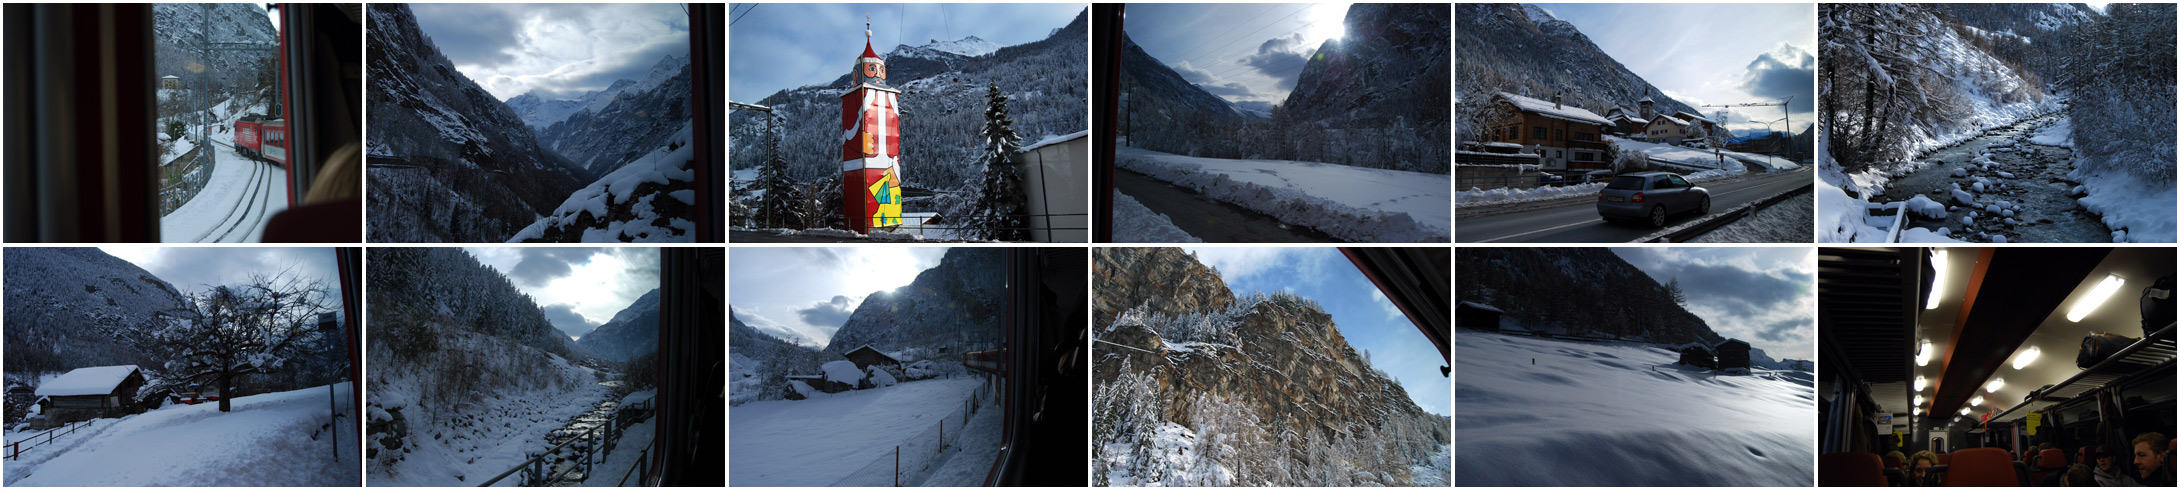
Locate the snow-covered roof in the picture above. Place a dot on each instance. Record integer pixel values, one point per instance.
(1545, 108)
(1481, 306)
(1645, 99)
(1685, 115)
(1053, 140)
(87, 381)
(1502, 144)
(1675, 120)
(1699, 345)
(170, 76)
(872, 349)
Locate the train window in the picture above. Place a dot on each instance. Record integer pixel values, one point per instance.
(220, 118)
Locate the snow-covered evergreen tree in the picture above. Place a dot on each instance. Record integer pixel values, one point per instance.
(1000, 204)
(780, 194)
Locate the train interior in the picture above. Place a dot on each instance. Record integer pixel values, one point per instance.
(88, 160)
(2007, 365)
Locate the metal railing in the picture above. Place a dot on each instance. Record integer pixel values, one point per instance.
(916, 455)
(15, 449)
(598, 441)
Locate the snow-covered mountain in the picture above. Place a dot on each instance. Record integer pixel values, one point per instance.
(1587, 291)
(942, 105)
(953, 308)
(971, 46)
(1378, 94)
(761, 361)
(466, 371)
(1155, 96)
(178, 29)
(67, 307)
(447, 161)
(632, 333)
(1523, 49)
(645, 200)
(1204, 387)
(539, 112)
(632, 117)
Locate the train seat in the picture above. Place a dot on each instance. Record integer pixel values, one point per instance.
(2049, 462)
(1982, 467)
(1856, 469)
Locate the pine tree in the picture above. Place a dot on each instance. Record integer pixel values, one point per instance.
(1672, 290)
(778, 203)
(1000, 203)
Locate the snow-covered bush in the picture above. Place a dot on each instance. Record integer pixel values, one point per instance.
(880, 378)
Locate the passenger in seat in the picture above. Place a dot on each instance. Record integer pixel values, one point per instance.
(2077, 475)
(1919, 474)
(2150, 459)
(2107, 474)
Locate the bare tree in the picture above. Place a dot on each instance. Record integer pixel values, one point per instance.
(230, 331)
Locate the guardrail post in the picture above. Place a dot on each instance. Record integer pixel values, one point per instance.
(896, 465)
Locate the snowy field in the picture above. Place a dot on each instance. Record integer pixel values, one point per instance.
(1622, 414)
(818, 441)
(1352, 203)
(467, 444)
(274, 439)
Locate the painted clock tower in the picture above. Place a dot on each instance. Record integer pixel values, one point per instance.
(870, 152)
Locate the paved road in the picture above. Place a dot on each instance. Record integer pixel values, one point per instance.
(1212, 221)
(1577, 221)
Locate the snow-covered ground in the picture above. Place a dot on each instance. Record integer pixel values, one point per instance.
(2056, 134)
(1352, 203)
(819, 441)
(275, 439)
(477, 440)
(235, 204)
(660, 167)
(1785, 222)
(1622, 414)
(1134, 223)
(634, 439)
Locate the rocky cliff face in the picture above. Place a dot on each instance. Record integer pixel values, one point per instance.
(1160, 312)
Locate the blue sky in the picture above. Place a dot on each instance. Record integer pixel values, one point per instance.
(1712, 53)
(810, 291)
(1763, 295)
(562, 50)
(1364, 317)
(1249, 54)
(773, 46)
(195, 268)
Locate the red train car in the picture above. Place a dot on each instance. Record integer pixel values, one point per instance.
(263, 139)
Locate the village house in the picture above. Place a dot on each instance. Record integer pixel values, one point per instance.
(1671, 130)
(1564, 137)
(92, 392)
(865, 357)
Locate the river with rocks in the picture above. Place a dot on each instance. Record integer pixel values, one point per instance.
(2002, 187)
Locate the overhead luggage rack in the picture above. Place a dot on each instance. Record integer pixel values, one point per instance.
(2154, 351)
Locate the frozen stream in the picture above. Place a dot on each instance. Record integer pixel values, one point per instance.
(2039, 193)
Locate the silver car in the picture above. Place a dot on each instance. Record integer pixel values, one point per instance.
(1651, 196)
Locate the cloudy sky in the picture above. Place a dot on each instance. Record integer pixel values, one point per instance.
(773, 46)
(1363, 315)
(1249, 54)
(810, 291)
(1764, 295)
(562, 50)
(1713, 53)
(196, 268)
(580, 288)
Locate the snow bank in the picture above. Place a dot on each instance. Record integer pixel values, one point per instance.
(2137, 210)
(1133, 223)
(842, 372)
(1477, 196)
(1352, 203)
(1622, 414)
(2056, 134)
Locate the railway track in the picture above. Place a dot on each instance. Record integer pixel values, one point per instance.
(250, 212)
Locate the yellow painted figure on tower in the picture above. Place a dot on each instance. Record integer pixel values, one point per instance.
(870, 146)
